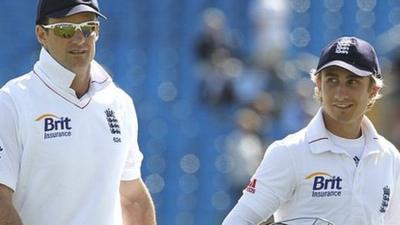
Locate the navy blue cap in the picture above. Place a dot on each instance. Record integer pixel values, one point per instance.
(353, 54)
(63, 8)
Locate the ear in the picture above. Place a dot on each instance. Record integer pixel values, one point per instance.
(318, 81)
(97, 35)
(374, 91)
(41, 35)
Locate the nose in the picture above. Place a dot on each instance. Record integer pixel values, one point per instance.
(341, 92)
(78, 37)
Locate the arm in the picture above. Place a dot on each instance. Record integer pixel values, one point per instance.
(136, 203)
(10, 152)
(8, 214)
(272, 184)
(242, 215)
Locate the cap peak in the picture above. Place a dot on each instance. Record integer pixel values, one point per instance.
(353, 54)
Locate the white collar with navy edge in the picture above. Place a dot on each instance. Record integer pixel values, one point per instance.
(318, 138)
(59, 79)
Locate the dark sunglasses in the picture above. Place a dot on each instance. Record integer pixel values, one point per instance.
(68, 30)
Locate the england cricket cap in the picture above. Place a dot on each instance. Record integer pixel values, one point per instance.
(352, 54)
(63, 8)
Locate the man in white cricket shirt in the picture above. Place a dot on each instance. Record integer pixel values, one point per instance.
(68, 137)
(338, 167)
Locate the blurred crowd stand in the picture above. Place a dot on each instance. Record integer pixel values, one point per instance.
(264, 108)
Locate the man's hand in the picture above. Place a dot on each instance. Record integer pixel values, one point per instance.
(137, 205)
(8, 214)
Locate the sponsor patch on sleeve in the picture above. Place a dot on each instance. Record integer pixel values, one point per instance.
(251, 187)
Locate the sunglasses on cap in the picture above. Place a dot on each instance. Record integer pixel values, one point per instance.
(68, 30)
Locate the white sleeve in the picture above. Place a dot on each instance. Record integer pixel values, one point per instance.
(10, 148)
(392, 216)
(272, 184)
(134, 157)
(242, 215)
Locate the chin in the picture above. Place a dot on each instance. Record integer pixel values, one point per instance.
(341, 116)
(346, 118)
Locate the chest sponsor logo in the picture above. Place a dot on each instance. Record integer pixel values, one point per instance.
(113, 124)
(55, 126)
(325, 185)
(385, 199)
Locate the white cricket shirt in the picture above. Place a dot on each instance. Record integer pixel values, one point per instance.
(305, 174)
(65, 157)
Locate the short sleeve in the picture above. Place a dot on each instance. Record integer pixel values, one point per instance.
(272, 184)
(134, 157)
(10, 148)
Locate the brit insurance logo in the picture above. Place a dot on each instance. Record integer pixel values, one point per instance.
(325, 185)
(55, 126)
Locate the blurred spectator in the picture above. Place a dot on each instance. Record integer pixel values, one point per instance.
(250, 84)
(299, 107)
(246, 147)
(215, 41)
(247, 142)
(218, 66)
(270, 21)
(266, 106)
(271, 31)
(396, 72)
(392, 99)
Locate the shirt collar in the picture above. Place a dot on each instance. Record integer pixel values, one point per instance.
(318, 138)
(59, 79)
(56, 75)
(53, 72)
(373, 139)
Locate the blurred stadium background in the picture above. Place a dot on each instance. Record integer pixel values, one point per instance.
(215, 82)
